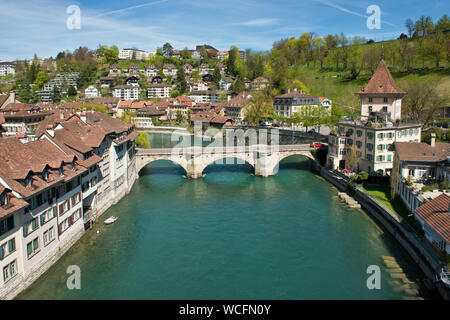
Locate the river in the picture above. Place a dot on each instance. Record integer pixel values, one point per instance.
(229, 235)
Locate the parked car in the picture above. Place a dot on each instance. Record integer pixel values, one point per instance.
(316, 145)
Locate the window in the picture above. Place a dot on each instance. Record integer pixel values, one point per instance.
(385, 99)
(385, 109)
(49, 236)
(370, 99)
(77, 215)
(350, 142)
(369, 135)
(370, 109)
(64, 207)
(6, 225)
(359, 144)
(369, 146)
(350, 131)
(359, 133)
(389, 157)
(48, 215)
(30, 226)
(32, 248)
(76, 199)
(9, 271)
(7, 248)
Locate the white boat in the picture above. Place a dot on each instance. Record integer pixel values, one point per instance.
(110, 220)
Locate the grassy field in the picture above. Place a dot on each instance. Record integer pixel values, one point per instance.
(383, 195)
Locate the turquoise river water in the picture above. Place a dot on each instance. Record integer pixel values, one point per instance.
(230, 235)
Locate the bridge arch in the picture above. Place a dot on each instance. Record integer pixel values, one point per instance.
(284, 155)
(142, 162)
(247, 159)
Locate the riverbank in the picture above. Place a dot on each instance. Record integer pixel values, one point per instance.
(396, 227)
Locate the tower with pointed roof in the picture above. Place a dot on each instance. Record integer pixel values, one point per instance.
(382, 95)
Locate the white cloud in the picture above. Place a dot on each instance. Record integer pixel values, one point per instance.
(258, 22)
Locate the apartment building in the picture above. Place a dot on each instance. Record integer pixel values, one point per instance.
(126, 92)
(293, 101)
(159, 91)
(151, 71)
(91, 92)
(169, 70)
(7, 68)
(235, 108)
(133, 54)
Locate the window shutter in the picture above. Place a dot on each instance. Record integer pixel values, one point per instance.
(42, 219)
(2, 252)
(54, 212)
(61, 209)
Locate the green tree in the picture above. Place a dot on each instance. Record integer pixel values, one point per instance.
(72, 92)
(238, 85)
(142, 141)
(258, 107)
(174, 93)
(167, 50)
(233, 59)
(216, 77)
(181, 84)
(40, 80)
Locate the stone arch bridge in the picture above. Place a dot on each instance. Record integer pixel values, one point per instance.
(263, 158)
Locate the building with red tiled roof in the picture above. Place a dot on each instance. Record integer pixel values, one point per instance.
(235, 108)
(381, 94)
(434, 217)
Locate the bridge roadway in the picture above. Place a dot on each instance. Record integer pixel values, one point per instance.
(194, 159)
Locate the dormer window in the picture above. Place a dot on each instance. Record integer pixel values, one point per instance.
(45, 175)
(61, 171)
(4, 200)
(73, 165)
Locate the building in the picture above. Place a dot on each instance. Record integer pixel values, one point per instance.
(225, 83)
(132, 81)
(115, 70)
(126, 92)
(221, 67)
(434, 217)
(207, 96)
(8, 98)
(133, 69)
(293, 101)
(381, 94)
(373, 135)
(222, 55)
(203, 69)
(187, 68)
(326, 103)
(260, 83)
(169, 70)
(52, 188)
(7, 68)
(21, 118)
(235, 108)
(151, 71)
(421, 164)
(159, 91)
(91, 92)
(200, 85)
(106, 82)
(211, 119)
(133, 54)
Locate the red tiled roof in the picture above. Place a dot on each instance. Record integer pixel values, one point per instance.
(381, 82)
(436, 214)
(415, 151)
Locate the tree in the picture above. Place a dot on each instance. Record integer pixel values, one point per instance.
(352, 158)
(174, 93)
(186, 54)
(179, 116)
(181, 84)
(258, 107)
(167, 50)
(435, 47)
(395, 178)
(238, 85)
(41, 79)
(409, 24)
(204, 54)
(216, 76)
(443, 23)
(142, 140)
(72, 92)
(233, 58)
(422, 100)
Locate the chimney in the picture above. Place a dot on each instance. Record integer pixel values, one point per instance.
(433, 140)
(12, 96)
(289, 90)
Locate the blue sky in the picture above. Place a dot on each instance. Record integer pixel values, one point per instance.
(39, 26)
